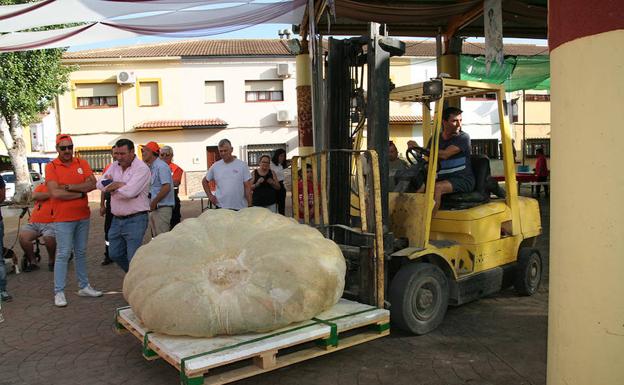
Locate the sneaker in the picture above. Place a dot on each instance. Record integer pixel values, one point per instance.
(88, 291)
(59, 299)
(5, 296)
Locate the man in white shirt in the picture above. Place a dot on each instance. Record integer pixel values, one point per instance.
(233, 180)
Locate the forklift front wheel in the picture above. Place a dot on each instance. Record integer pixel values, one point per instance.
(419, 297)
(528, 271)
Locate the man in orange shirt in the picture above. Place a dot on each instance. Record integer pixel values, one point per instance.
(41, 224)
(166, 154)
(69, 180)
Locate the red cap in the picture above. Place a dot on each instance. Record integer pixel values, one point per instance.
(62, 137)
(153, 146)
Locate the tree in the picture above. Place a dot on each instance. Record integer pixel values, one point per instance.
(29, 82)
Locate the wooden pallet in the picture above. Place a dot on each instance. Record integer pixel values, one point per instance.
(224, 359)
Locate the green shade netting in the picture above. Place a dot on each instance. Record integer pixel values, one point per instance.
(516, 73)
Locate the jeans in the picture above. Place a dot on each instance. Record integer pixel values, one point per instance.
(71, 236)
(125, 237)
(2, 268)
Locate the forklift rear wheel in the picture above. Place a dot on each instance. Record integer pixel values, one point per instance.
(528, 271)
(418, 297)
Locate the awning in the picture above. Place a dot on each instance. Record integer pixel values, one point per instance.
(405, 119)
(103, 20)
(516, 73)
(169, 125)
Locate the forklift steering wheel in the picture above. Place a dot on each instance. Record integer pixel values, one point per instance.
(415, 154)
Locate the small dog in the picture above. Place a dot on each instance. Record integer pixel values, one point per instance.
(11, 261)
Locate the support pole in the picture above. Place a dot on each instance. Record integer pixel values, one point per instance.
(304, 102)
(586, 306)
(378, 105)
(523, 128)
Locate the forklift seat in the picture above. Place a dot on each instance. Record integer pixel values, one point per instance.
(481, 194)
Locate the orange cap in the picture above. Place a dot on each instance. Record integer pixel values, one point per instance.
(62, 137)
(153, 146)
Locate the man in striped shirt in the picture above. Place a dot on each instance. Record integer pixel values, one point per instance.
(454, 169)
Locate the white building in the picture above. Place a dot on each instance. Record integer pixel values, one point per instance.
(188, 95)
(191, 94)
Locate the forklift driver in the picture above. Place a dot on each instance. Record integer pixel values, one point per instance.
(454, 169)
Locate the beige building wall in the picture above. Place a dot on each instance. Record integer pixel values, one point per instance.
(182, 93)
(537, 122)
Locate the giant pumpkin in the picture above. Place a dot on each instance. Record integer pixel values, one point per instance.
(229, 272)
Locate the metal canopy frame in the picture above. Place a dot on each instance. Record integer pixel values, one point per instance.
(521, 18)
(452, 88)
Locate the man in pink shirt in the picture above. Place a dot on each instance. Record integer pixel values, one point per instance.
(128, 181)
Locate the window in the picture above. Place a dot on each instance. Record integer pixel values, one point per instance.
(255, 151)
(489, 96)
(96, 95)
(537, 98)
(97, 157)
(513, 118)
(514, 111)
(214, 92)
(148, 92)
(531, 145)
(487, 147)
(264, 91)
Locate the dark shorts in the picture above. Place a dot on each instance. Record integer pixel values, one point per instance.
(461, 184)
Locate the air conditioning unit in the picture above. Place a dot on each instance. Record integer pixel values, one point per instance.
(126, 77)
(283, 116)
(283, 70)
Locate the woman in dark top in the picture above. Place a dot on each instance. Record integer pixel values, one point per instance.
(278, 164)
(264, 185)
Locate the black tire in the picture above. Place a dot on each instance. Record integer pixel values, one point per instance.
(528, 271)
(418, 298)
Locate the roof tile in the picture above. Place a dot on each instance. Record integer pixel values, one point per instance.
(405, 119)
(268, 47)
(189, 123)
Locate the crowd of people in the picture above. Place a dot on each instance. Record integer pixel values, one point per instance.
(136, 194)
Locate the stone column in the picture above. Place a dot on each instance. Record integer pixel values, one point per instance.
(586, 304)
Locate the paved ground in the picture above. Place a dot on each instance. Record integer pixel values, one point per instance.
(498, 340)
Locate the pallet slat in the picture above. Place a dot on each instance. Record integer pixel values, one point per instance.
(195, 357)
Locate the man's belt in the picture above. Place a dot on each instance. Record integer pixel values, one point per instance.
(131, 215)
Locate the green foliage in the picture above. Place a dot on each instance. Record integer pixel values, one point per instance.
(29, 81)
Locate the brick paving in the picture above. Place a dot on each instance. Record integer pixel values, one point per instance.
(500, 340)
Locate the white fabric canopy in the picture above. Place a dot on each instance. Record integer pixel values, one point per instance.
(118, 19)
(43, 13)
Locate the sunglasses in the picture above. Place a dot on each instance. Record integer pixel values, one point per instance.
(163, 155)
(65, 148)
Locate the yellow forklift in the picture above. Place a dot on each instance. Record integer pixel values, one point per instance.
(417, 265)
(475, 244)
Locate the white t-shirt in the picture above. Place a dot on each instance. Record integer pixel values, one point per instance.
(230, 179)
(278, 170)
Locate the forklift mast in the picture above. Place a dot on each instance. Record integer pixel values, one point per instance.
(374, 51)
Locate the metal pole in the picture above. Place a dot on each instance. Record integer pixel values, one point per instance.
(378, 109)
(523, 126)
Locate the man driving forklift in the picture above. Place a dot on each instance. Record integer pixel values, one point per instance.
(454, 172)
